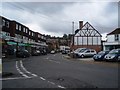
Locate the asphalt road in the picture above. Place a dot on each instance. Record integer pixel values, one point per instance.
(56, 71)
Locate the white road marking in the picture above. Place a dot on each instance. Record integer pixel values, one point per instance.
(15, 78)
(54, 61)
(26, 70)
(51, 82)
(24, 75)
(54, 55)
(61, 86)
(42, 78)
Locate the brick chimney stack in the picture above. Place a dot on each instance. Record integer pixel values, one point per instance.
(80, 25)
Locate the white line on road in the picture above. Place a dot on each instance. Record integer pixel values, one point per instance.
(54, 61)
(42, 78)
(15, 78)
(51, 82)
(26, 70)
(24, 75)
(61, 86)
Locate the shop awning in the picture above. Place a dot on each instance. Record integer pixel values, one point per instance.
(11, 43)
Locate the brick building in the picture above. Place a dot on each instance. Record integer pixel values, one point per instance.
(18, 36)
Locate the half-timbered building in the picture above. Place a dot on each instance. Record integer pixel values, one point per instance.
(87, 37)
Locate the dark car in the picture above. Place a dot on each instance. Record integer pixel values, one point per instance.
(113, 55)
(36, 53)
(22, 53)
(43, 52)
(100, 56)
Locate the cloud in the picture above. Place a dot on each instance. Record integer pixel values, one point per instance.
(56, 18)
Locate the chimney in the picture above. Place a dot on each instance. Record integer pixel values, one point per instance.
(80, 25)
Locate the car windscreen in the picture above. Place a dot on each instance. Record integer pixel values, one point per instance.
(114, 52)
(82, 50)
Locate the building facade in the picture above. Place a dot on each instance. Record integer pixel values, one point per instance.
(16, 36)
(87, 37)
(113, 40)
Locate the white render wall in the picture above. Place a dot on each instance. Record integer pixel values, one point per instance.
(84, 40)
(110, 38)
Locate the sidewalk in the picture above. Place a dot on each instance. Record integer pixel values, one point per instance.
(0, 65)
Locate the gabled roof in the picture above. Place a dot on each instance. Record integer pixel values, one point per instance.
(116, 31)
(87, 30)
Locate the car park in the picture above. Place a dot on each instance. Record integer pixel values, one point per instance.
(113, 55)
(22, 53)
(100, 56)
(86, 53)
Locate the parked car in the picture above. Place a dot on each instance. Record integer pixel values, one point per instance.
(36, 53)
(52, 52)
(43, 52)
(113, 55)
(66, 51)
(100, 55)
(22, 53)
(86, 53)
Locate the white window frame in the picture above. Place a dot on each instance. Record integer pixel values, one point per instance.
(116, 37)
(17, 26)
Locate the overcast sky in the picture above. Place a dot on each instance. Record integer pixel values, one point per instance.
(55, 18)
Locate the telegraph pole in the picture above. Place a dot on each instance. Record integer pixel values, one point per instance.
(72, 27)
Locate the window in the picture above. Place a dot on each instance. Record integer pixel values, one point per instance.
(23, 29)
(32, 34)
(7, 24)
(20, 28)
(3, 22)
(29, 32)
(26, 30)
(17, 26)
(116, 37)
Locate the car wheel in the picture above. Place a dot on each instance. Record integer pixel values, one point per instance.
(82, 56)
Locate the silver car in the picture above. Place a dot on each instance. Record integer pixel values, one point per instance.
(86, 53)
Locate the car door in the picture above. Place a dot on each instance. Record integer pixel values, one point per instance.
(87, 53)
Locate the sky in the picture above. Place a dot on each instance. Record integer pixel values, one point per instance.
(55, 18)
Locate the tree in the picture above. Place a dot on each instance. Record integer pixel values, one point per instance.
(65, 36)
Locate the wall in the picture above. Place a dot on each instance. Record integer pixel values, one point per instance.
(110, 38)
(87, 40)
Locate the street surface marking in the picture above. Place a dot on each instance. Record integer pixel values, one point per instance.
(24, 75)
(54, 55)
(61, 86)
(55, 61)
(51, 82)
(26, 70)
(15, 78)
(42, 78)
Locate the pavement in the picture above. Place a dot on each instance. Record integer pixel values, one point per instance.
(57, 71)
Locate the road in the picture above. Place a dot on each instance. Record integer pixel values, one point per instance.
(56, 71)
